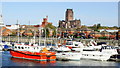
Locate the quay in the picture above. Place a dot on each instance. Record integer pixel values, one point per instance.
(56, 40)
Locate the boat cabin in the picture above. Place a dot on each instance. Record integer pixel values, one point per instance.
(20, 47)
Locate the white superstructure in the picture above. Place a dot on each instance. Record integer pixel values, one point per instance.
(98, 52)
(26, 47)
(71, 51)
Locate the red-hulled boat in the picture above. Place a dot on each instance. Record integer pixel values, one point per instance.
(31, 53)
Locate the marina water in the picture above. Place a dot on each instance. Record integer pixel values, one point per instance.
(8, 60)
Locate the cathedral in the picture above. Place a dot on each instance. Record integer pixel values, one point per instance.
(69, 21)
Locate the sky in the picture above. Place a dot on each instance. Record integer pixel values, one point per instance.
(90, 13)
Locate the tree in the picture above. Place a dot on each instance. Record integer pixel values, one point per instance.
(83, 26)
(95, 27)
(53, 28)
(46, 32)
(50, 26)
(54, 32)
(98, 26)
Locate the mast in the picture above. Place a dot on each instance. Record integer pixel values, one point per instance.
(39, 34)
(1, 25)
(45, 38)
(18, 31)
(34, 36)
(27, 31)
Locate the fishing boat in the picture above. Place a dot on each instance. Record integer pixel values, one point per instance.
(32, 53)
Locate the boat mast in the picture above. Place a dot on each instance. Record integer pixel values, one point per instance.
(9, 37)
(1, 22)
(45, 38)
(34, 36)
(39, 34)
(56, 37)
(18, 31)
(29, 36)
(1, 25)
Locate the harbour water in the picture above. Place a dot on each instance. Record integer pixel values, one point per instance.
(8, 60)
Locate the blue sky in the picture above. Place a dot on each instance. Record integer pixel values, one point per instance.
(105, 13)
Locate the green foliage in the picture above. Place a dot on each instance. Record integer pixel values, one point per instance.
(47, 32)
(98, 26)
(50, 26)
(83, 26)
(54, 32)
(13, 33)
(103, 37)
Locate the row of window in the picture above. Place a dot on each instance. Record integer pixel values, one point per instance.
(91, 55)
(24, 47)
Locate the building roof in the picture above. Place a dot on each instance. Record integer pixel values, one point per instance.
(108, 30)
(84, 29)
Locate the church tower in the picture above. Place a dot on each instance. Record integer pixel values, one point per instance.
(69, 15)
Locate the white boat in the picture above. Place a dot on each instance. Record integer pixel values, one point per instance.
(1, 48)
(100, 52)
(68, 55)
(65, 53)
(75, 46)
(62, 48)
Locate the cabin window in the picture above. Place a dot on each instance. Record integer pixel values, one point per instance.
(69, 43)
(15, 47)
(18, 47)
(37, 47)
(93, 55)
(25, 47)
(22, 47)
(76, 44)
(90, 45)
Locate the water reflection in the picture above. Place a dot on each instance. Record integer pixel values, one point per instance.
(8, 60)
(32, 62)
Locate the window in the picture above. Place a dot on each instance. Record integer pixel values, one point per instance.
(76, 44)
(37, 47)
(22, 47)
(15, 47)
(18, 47)
(69, 43)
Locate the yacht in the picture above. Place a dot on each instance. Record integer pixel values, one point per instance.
(69, 51)
(74, 45)
(98, 52)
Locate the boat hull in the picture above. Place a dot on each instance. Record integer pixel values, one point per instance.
(68, 56)
(94, 55)
(33, 56)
